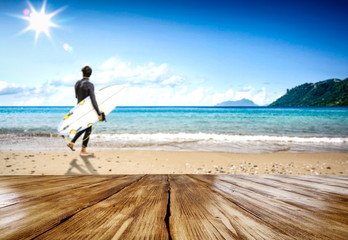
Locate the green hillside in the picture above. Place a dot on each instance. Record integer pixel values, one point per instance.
(332, 92)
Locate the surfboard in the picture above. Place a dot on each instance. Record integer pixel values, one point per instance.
(83, 115)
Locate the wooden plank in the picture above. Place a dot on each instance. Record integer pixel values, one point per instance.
(9, 181)
(343, 183)
(304, 189)
(304, 198)
(305, 182)
(136, 212)
(197, 212)
(201, 207)
(336, 183)
(30, 218)
(344, 177)
(297, 222)
(27, 190)
(27, 180)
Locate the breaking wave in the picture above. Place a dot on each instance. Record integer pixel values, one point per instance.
(216, 138)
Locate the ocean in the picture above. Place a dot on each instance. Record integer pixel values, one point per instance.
(218, 129)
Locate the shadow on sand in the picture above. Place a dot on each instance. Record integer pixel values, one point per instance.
(78, 167)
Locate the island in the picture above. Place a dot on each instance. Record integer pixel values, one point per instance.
(332, 92)
(239, 103)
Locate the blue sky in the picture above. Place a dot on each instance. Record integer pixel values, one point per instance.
(172, 52)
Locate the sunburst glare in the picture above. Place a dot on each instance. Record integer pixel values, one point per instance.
(40, 21)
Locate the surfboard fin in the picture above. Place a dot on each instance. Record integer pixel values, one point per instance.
(73, 132)
(68, 115)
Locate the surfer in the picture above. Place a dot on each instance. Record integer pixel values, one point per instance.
(83, 89)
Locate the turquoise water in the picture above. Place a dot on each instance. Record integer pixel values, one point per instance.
(191, 128)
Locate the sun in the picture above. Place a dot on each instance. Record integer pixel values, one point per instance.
(40, 21)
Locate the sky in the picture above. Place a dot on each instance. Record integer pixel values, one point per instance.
(170, 53)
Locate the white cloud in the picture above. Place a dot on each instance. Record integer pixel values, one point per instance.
(47, 95)
(246, 89)
(115, 70)
(67, 80)
(172, 96)
(242, 94)
(70, 79)
(32, 101)
(10, 88)
(139, 95)
(258, 96)
(148, 85)
(218, 97)
(173, 80)
(110, 64)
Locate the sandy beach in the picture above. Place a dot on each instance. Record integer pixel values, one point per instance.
(167, 162)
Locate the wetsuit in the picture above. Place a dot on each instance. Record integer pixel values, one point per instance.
(83, 89)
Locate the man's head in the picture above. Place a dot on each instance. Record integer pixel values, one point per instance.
(86, 71)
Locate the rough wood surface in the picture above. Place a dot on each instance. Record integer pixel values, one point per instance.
(301, 217)
(28, 219)
(136, 212)
(174, 207)
(40, 186)
(197, 212)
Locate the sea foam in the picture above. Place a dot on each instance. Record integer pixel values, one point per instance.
(223, 138)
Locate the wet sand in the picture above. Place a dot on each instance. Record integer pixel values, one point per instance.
(166, 162)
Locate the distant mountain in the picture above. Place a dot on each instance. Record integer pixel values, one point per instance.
(332, 92)
(240, 103)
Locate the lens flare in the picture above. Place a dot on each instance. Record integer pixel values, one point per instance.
(26, 11)
(40, 21)
(67, 47)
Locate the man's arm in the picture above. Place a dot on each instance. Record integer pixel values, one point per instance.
(76, 89)
(94, 101)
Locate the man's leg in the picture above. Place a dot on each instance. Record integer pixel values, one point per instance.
(77, 135)
(86, 137)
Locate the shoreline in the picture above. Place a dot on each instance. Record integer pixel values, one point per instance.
(180, 142)
(171, 162)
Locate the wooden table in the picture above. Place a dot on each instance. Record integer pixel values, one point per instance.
(174, 207)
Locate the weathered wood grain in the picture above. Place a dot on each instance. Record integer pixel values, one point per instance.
(186, 206)
(327, 180)
(136, 212)
(308, 182)
(18, 179)
(29, 187)
(294, 219)
(300, 196)
(30, 218)
(197, 212)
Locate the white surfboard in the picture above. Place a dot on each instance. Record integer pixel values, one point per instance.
(83, 115)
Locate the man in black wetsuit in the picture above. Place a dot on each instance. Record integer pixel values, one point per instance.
(83, 89)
